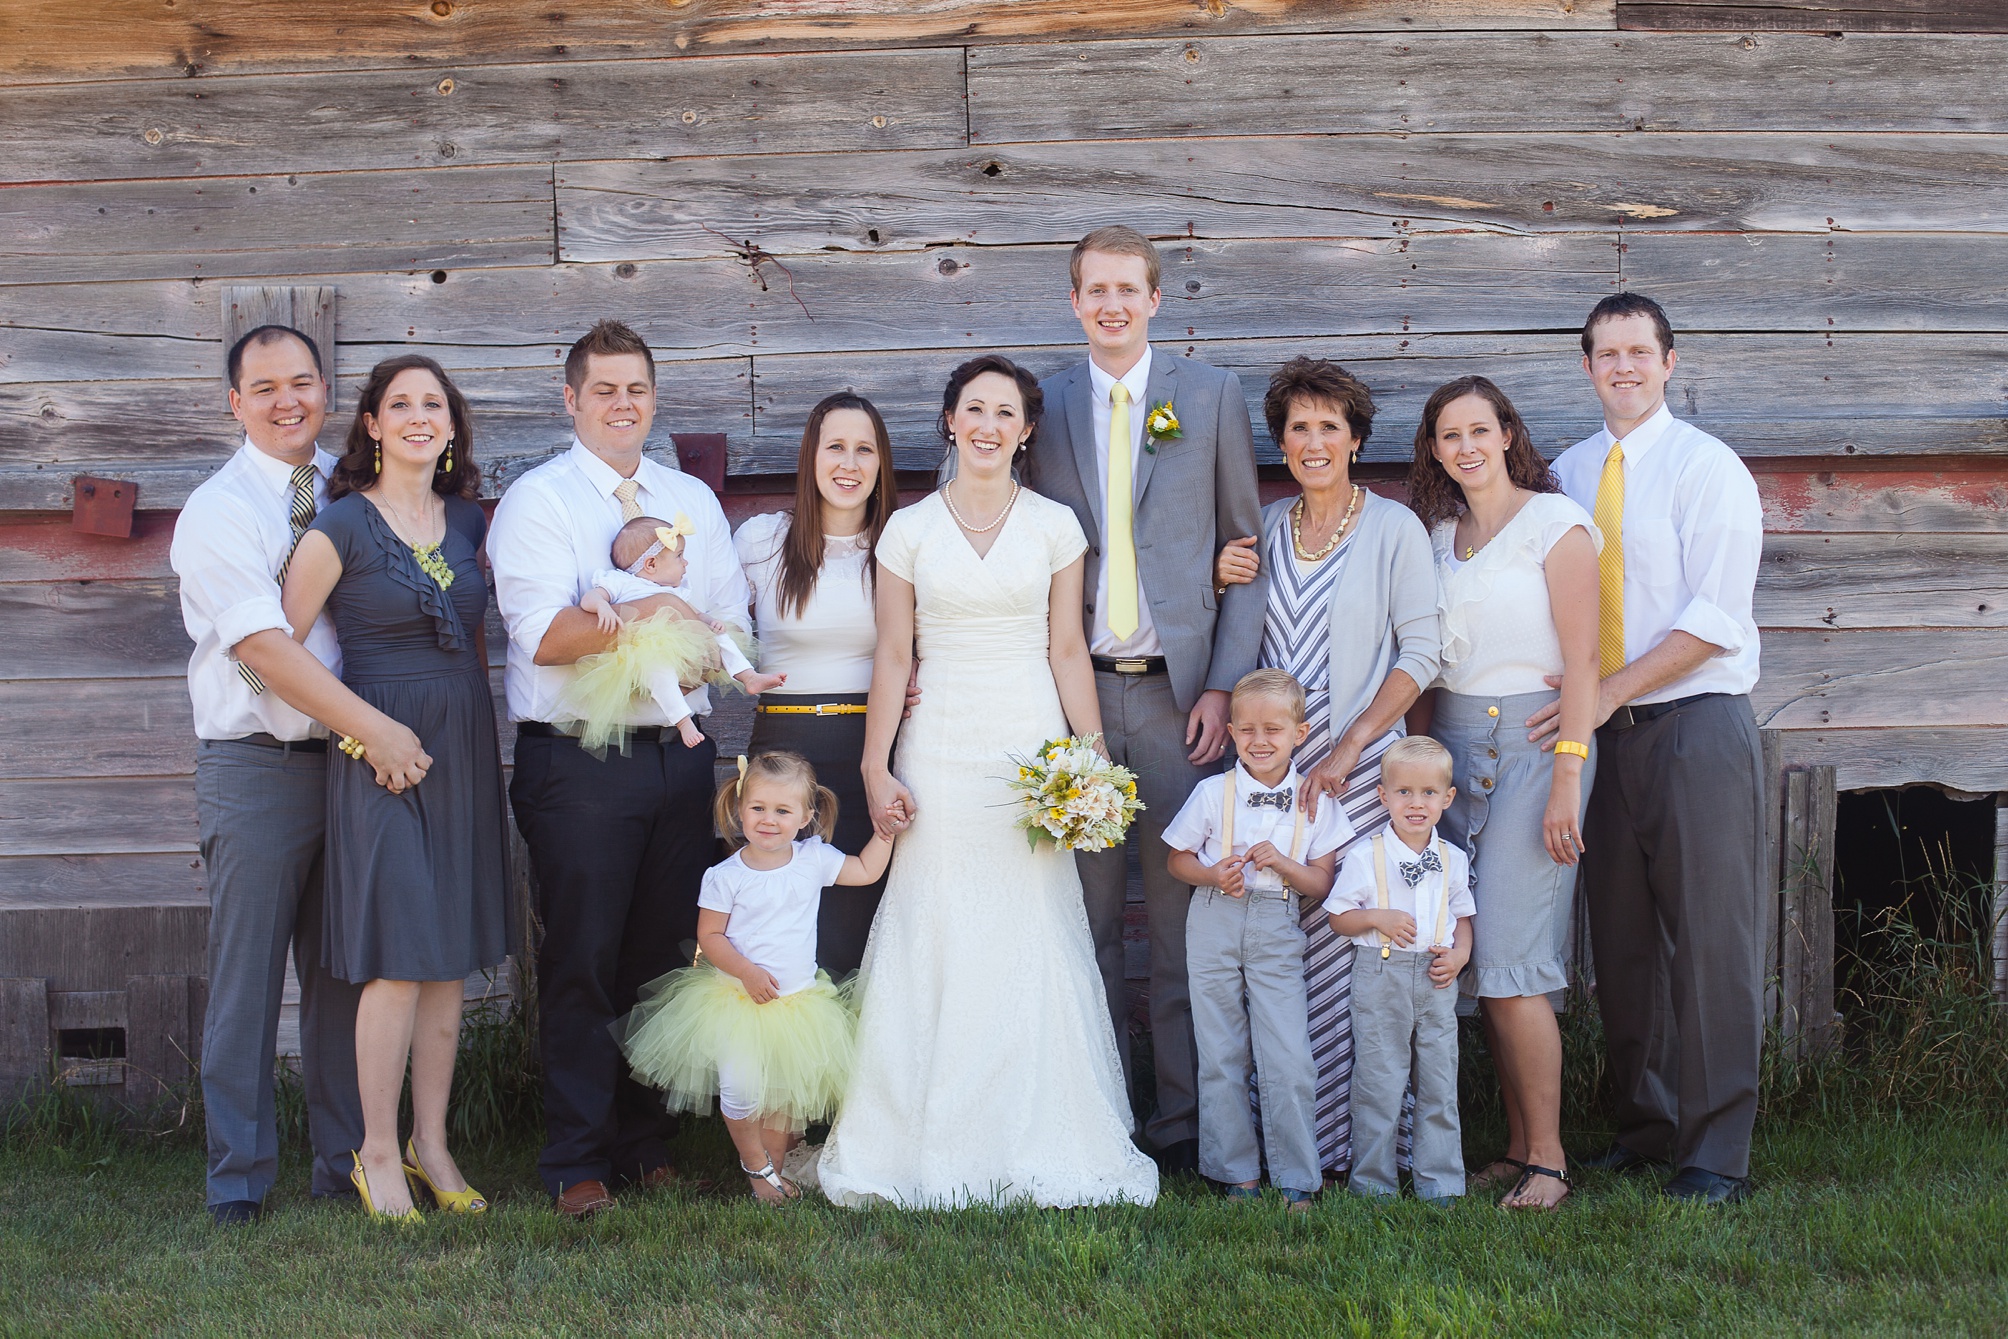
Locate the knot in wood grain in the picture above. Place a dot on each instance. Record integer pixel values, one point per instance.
(441, 9)
(690, 118)
(153, 135)
(878, 123)
(445, 87)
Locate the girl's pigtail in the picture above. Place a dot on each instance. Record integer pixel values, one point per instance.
(826, 812)
(725, 814)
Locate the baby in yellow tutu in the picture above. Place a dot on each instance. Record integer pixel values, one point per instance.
(656, 654)
(755, 1023)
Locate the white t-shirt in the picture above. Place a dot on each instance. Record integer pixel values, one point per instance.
(627, 588)
(773, 911)
(1261, 814)
(827, 646)
(1498, 626)
(1354, 890)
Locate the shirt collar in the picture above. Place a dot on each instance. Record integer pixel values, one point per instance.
(602, 476)
(1644, 437)
(1137, 379)
(277, 472)
(1250, 786)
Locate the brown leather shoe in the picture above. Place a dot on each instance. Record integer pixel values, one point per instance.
(656, 1178)
(583, 1200)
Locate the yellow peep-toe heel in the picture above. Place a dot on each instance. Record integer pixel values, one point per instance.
(453, 1201)
(362, 1185)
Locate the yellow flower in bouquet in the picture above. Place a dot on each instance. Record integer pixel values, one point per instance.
(1074, 797)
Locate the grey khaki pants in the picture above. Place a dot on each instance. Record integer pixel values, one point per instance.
(1145, 731)
(1245, 961)
(1403, 1025)
(263, 816)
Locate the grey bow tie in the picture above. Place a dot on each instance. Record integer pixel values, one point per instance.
(1278, 800)
(1412, 871)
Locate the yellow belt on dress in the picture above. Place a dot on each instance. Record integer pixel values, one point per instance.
(819, 709)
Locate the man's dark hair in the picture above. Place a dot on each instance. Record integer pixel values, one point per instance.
(607, 338)
(1619, 305)
(259, 336)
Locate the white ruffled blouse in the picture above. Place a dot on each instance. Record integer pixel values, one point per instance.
(1499, 634)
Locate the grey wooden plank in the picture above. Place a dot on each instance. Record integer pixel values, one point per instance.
(135, 38)
(1426, 83)
(1972, 759)
(91, 630)
(81, 947)
(1773, 778)
(309, 309)
(237, 126)
(1363, 185)
(228, 227)
(1883, 581)
(24, 1036)
(1957, 501)
(96, 727)
(45, 548)
(1824, 16)
(97, 816)
(1920, 679)
(163, 1037)
(1791, 960)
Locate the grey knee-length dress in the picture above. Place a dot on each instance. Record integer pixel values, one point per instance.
(417, 885)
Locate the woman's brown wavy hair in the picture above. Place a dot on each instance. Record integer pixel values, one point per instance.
(356, 470)
(1432, 493)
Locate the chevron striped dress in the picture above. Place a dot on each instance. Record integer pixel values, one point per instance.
(1296, 636)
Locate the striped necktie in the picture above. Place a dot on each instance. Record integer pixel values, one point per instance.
(1610, 519)
(1122, 538)
(299, 516)
(626, 491)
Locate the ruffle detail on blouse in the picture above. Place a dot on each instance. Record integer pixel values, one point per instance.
(1533, 531)
(404, 570)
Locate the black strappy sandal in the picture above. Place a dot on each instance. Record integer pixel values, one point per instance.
(1487, 1179)
(1526, 1177)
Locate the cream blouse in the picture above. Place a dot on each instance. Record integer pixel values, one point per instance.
(1498, 627)
(827, 646)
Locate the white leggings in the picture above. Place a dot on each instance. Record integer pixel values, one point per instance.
(734, 1099)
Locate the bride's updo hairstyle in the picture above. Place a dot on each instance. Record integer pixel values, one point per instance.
(959, 379)
(789, 769)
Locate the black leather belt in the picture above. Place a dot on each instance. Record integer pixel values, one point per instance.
(1129, 664)
(267, 741)
(641, 734)
(1624, 718)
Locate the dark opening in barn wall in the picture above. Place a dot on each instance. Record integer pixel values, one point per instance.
(1914, 855)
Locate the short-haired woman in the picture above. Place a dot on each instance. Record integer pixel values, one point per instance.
(1352, 614)
(813, 572)
(1517, 561)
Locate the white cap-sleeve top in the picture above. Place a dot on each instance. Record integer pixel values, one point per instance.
(826, 646)
(1499, 634)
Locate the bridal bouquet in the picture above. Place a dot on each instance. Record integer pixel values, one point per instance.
(1073, 796)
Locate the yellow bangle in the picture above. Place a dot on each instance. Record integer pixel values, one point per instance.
(354, 747)
(1571, 746)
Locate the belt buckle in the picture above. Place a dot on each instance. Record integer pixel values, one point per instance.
(1622, 718)
(818, 708)
(1132, 665)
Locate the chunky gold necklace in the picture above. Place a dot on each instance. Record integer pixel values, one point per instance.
(980, 529)
(1297, 528)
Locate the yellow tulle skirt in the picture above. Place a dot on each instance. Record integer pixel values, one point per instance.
(791, 1056)
(603, 692)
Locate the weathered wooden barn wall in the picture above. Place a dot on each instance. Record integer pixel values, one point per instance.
(788, 199)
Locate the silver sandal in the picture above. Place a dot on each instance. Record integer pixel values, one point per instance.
(787, 1189)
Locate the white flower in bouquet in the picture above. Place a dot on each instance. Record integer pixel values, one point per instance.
(1073, 796)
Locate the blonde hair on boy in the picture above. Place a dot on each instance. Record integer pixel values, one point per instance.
(1274, 683)
(1420, 750)
(791, 768)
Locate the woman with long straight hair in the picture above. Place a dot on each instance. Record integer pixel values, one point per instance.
(417, 874)
(813, 571)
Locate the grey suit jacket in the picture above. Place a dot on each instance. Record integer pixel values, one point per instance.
(1193, 494)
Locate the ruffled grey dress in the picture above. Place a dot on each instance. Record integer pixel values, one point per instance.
(417, 883)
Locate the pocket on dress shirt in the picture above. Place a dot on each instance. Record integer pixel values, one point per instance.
(1652, 553)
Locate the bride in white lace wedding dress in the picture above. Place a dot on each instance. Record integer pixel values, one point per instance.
(987, 1071)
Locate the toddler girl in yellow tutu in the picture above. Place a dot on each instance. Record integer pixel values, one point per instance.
(755, 1023)
(658, 654)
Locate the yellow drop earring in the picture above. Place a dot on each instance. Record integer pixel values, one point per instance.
(379, 457)
(446, 461)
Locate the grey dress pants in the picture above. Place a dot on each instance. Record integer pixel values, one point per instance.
(1404, 1031)
(263, 813)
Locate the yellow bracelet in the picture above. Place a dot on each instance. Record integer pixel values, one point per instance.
(1571, 746)
(354, 747)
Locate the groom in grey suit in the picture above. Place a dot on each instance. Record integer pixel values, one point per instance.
(1167, 647)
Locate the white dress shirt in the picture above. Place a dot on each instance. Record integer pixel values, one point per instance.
(554, 529)
(1196, 827)
(1355, 889)
(1693, 537)
(827, 645)
(233, 534)
(1142, 642)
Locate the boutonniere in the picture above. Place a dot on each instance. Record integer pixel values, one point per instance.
(1160, 426)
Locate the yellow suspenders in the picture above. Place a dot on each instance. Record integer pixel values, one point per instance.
(1380, 890)
(1228, 794)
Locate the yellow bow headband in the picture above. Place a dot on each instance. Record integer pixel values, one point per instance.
(668, 538)
(739, 786)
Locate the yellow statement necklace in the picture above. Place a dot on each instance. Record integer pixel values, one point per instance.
(428, 557)
(1297, 529)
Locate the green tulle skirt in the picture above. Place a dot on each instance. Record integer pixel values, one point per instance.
(602, 694)
(790, 1057)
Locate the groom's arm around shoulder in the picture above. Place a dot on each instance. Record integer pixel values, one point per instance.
(1237, 513)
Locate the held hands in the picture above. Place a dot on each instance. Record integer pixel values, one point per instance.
(892, 806)
(400, 761)
(1238, 562)
(1445, 962)
(761, 985)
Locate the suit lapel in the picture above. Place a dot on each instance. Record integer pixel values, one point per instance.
(1081, 430)
(1163, 381)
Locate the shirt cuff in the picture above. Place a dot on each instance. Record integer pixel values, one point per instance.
(239, 621)
(1708, 622)
(528, 631)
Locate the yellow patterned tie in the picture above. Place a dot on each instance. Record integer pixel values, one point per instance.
(1122, 539)
(625, 490)
(1610, 518)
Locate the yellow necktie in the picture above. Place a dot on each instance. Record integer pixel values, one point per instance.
(625, 490)
(1122, 541)
(1610, 518)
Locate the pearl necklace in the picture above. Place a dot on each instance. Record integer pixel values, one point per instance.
(979, 529)
(1297, 528)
